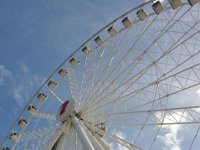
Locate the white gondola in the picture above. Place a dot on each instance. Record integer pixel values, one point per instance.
(52, 85)
(6, 148)
(142, 15)
(74, 61)
(99, 41)
(175, 3)
(101, 129)
(157, 7)
(112, 31)
(23, 123)
(32, 109)
(127, 22)
(14, 137)
(86, 51)
(63, 73)
(193, 2)
(42, 97)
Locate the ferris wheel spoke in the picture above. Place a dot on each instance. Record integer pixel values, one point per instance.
(168, 115)
(193, 140)
(122, 142)
(43, 130)
(56, 96)
(149, 115)
(170, 49)
(186, 109)
(45, 116)
(121, 61)
(106, 68)
(155, 124)
(74, 87)
(94, 69)
(186, 60)
(116, 50)
(144, 75)
(114, 138)
(185, 115)
(174, 77)
(151, 101)
(84, 78)
(160, 35)
(41, 136)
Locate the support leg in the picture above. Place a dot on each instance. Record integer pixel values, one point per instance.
(87, 145)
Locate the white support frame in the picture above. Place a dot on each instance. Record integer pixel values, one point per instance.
(86, 143)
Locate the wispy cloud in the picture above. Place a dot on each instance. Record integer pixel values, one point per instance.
(4, 74)
(198, 92)
(170, 138)
(21, 93)
(25, 85)
(118, 146)
(24, 68)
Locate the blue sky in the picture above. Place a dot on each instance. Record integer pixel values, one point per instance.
(36, 36)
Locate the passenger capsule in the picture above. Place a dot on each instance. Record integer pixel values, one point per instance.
(14, 137)
(192, 2)
(86, 51)
(126, 22)
(23, 123)
(63, 73)
(141, 14)
(32, 109)
(157, 7)
(112, 31)
(102, 129)
(42, 97)
(99, 41)
(74, 61)
(52, 85)
(175, 3)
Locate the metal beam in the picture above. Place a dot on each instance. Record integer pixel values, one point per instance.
(86, 143)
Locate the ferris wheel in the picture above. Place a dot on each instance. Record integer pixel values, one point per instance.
(132, 85)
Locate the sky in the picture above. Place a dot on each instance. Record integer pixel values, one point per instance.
(36, 36)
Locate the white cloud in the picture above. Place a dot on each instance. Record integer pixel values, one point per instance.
(4, 74)
(24, 68)
(25, 87)
(170, 138)
(38, 80)
(21, 93)
(117, 146)
(198, 92)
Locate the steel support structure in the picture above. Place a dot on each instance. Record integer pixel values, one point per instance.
(84, 139)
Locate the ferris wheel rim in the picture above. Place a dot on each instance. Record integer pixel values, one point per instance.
(68, 58)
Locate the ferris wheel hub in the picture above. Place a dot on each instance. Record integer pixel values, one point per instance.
(65, 110)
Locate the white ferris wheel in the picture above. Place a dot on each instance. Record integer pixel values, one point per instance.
(132, 85)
